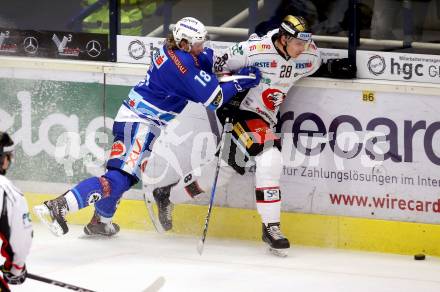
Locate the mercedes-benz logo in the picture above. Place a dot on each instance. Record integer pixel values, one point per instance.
(30, 45)
(93, 48)
(136, 49)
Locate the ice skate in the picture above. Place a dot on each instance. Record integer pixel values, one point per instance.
(52, 213)
(277, 242)
(98, 228)
(164, 206)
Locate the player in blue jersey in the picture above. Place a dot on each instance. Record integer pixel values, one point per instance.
(180, 71)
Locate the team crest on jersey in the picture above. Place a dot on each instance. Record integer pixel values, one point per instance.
(93, 198)
(159, 58)
(237, 49)
(272, 98)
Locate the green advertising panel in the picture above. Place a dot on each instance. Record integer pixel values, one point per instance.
(59, 127)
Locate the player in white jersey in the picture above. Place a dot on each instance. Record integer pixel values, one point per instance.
(284, 56)
(15, 223)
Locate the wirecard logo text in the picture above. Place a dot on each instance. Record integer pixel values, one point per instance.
(327, 133)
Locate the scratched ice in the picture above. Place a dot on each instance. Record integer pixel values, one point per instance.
(146, 261)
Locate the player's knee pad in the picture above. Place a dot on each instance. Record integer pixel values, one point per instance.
(111, 185)
(268, 168)
(115, 182)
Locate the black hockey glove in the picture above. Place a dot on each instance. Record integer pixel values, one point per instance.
(231, 109)
(14, 276)
(337, 68)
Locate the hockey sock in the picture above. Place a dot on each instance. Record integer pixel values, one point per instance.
(119, 182)
(267, 181)
(199, 181)
(107, 188)
(268, 204)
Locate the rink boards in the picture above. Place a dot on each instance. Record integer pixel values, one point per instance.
(360, 156)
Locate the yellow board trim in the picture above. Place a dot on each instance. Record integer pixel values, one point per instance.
(303, 229)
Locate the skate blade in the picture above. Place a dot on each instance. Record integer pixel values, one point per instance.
(90, 233)
(153, 217)
(279, 252)
(44, 214)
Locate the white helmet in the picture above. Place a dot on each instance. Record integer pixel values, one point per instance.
(190, 29)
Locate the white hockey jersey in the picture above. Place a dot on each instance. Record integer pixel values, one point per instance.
(15, 225)
(278, 74)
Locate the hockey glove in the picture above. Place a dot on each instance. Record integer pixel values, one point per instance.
(231, 109)
(341, 68)
(246, 83)
(14, 276)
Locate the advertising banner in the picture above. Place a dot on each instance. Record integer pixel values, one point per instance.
(346, 152)
(398, 66)
(138, 50)
(361, 153)
(54, 44)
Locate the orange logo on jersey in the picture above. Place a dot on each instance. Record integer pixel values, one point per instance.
(118, 149)
(135, 153)
(177, 62)
(272, 98)
(259, 47)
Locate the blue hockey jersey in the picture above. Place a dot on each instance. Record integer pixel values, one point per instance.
(174, 78)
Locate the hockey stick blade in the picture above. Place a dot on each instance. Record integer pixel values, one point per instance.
(156, 285)
(200, 246)
(201, 243)
(154, 219)
(57, 283)
(235, 77)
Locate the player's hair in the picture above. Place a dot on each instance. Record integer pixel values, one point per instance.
(171, 42)
(5, 141)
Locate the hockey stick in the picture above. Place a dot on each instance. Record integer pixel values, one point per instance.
(235, 77)
(201, 242)
(57, 283)
(148, 198)
(154, 219)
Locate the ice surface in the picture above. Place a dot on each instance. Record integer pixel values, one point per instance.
(147, 261)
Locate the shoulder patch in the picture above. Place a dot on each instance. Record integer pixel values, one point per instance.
(159, 58)
(237, 49)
